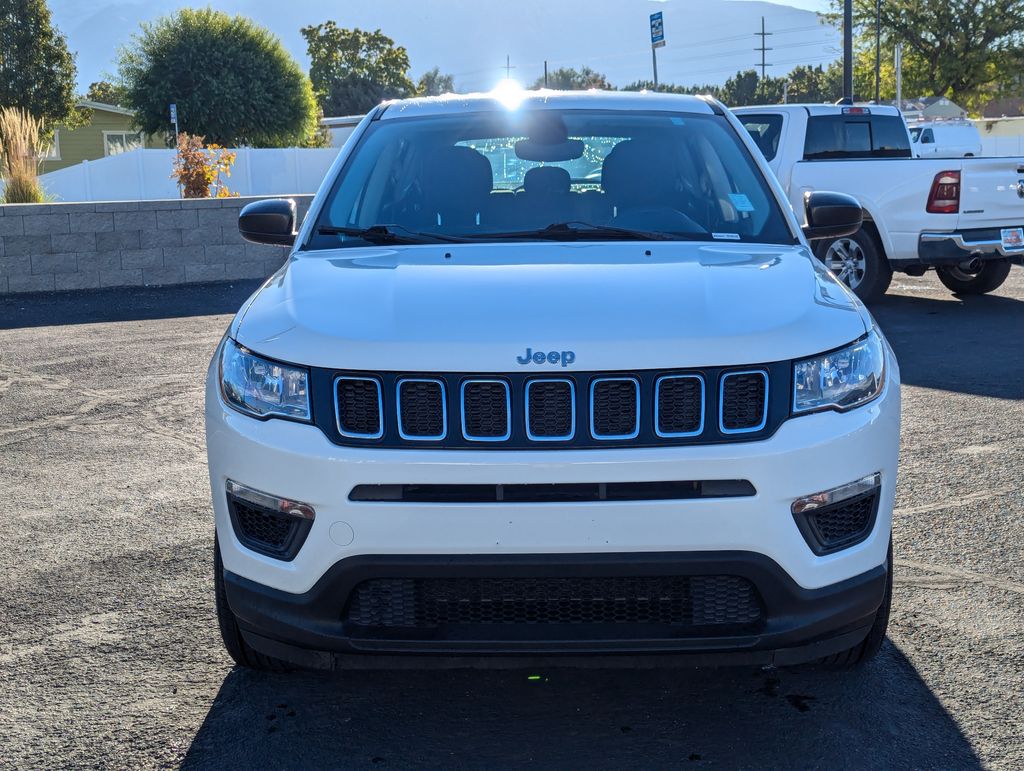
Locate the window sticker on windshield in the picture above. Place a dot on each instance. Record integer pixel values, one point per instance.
(726, 236)
(741, 202)
(678, 121)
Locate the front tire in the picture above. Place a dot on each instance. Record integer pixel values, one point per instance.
(858, 262)
(243, 654)
(866, 649)
(989, 277)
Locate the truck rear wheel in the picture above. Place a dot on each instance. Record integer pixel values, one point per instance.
(858, 262)
(239, 650)
(989, 277)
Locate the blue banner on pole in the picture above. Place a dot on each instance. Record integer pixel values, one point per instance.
(657, 30)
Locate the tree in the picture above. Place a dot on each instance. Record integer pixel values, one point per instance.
(966, 50)
(105, 92)
(434, 82)
(673, 88)
(37, 72)
(353, 70)
(747, 87)
(569, 79)
(233, 81)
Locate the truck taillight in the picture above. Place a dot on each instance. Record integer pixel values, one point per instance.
(944, 197)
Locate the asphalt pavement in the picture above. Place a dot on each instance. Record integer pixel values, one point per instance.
(109, 652)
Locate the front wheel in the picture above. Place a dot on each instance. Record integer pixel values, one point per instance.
(858, 262)
(987, 278)
(239, 650)
(867, 648)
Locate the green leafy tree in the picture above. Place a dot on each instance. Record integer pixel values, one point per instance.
(37, 72)
(353, 70)
(673, 88)
(105, 92)
(822, 84)
(233, 81)
(569, 79)
(434, 82)
(966, 50)
(747, 87)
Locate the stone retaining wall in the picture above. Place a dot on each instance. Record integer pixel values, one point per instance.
(60, 246)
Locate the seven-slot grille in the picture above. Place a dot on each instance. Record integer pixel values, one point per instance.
(645, 408)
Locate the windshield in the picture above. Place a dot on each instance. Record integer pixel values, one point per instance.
(550, 174)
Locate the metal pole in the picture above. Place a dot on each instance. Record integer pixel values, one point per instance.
(878, 50)
(654, 61)
(545, 73)
(899, 76)
(848, 50)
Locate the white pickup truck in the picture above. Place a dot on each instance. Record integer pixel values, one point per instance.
(961, 216)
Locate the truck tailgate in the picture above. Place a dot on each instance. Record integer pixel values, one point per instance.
(991, 193)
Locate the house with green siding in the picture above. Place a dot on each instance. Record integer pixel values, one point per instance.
(109, 131)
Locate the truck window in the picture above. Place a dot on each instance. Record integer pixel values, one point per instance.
(928, 137)
(765, 130)
(856, 136)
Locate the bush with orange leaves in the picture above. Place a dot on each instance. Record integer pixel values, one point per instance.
(199, 169)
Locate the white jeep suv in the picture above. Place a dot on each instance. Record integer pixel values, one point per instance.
(552, 374)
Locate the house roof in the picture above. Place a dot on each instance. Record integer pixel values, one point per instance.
(103, 107)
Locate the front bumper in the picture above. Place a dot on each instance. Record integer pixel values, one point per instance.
(798, 624)
(953, 248)
(817, 603)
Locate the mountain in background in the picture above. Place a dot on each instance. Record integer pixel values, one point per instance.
(707, 40)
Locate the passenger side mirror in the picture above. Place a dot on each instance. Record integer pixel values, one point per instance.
(831, 215)
(269, 222)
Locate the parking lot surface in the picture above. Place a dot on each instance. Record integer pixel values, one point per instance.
(109, 650)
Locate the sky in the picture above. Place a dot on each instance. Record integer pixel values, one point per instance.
(707, 40)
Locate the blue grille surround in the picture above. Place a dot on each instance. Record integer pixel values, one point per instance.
(493, 411)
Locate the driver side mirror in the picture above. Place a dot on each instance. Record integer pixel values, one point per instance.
(269, 222)
(831, 215)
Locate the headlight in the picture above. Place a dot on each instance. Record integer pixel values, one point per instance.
(262, 388)
(840, 380)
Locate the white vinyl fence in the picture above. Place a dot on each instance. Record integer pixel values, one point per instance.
(146, 175)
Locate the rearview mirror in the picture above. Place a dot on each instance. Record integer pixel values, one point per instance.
(831, 215)
(269, 222)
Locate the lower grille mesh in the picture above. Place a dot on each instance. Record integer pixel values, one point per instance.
(681, 602)
(844, 523)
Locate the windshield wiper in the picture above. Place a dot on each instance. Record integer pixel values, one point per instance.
(388, 234)
(575, 230)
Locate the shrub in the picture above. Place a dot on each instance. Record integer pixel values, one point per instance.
(198, 168)
(232, 80)
(20, 148)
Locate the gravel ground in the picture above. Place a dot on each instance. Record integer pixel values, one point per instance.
(109, 655)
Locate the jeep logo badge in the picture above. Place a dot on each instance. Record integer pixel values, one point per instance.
(551, 357)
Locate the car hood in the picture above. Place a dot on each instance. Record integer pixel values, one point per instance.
(478, 308)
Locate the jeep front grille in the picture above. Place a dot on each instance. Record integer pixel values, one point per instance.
(546, 411)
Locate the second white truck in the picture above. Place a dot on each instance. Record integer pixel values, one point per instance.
(963, 217)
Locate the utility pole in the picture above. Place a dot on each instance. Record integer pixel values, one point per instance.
(899, 77)
(878, 50)
(545, 73)
(764, 39)
(848, 50)
(508, 67)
